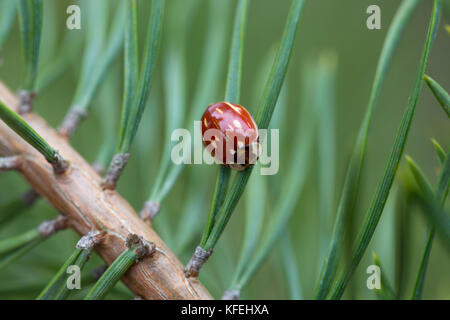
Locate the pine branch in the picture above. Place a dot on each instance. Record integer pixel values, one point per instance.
(78, 193)
(10, 163)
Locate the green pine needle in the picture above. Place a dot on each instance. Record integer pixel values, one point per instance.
(96, 14)
(291, 188)
(352, 179)
(213, 51)
(385, 292)
(232, 94)
(263, 116)
(291, 267)
(143, 86)
(382, 192)
(7, 11)
(254, 219)
(137, 249)
(234, 74)
(168, 172)
(130, 66)
(324, 102)
(15, 247)
(23, 129)
(112, 275)
(11, 210)
(420, 178)
(279, 67)
(12, 243)
(218, 198)
(99, 55)
(440, 94)
(174, 68)
(108, 99)
(16, 254)
(30, 17)
(438, 218)
(55, 68)
(57, 287)
(439, 151)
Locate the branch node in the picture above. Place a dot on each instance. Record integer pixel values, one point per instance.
(71, 121)
(90, 240)
(231, 294)
(152, 279)
(144, 248)
(198, 259)
(98, 167)
(59, 164)
(99, 271)
(25, 101)
(118, 163)
(29, 197)
(48, 228)
(10, 163)
(149, 210)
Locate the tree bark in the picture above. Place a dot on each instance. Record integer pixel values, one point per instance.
(79, 196)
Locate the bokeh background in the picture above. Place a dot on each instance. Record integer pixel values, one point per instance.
(333, 26)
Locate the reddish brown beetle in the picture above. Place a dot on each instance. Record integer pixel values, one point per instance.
(231, 135)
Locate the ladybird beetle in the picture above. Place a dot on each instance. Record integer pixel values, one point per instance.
(230, 135)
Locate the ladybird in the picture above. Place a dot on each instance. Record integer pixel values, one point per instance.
(231, 135)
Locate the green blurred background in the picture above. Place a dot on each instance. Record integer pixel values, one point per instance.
(326, 25)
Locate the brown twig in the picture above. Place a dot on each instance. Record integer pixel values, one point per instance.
(48, 228)
(90, 240)
(149, 211)
(72, 121)
(144, 248)
(25, 101)
(118, 163)
(29, 197)
(198, 259)
(59, 164)
(79, 194)
(10, 163)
